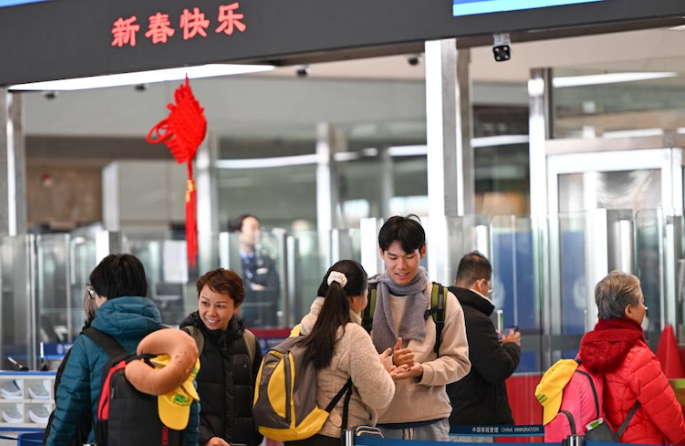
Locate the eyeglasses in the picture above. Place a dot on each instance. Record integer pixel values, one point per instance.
(491, 290)
(91, 292)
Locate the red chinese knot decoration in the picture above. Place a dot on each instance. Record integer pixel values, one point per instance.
(183, 131)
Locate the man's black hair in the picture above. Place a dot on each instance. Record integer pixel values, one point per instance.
(236, 225)
(472, 267)
(407, 231)
(119, 275)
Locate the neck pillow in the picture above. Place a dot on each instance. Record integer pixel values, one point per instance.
(183, 355)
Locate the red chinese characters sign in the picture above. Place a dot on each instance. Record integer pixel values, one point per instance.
(193, 24)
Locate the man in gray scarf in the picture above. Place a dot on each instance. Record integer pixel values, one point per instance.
(420, 408)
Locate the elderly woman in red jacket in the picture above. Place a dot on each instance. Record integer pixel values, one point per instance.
(632, 373)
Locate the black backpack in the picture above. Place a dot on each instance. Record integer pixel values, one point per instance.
(127, 417)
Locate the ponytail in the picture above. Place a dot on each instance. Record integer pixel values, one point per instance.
(335, 312)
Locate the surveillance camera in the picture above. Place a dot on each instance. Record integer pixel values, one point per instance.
(50, 95)
(302, 71)
(141, 87)
(501, 47)
(414, 60)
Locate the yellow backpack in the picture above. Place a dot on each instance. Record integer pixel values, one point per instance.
(285, 406)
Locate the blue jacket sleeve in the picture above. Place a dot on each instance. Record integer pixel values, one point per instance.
(193, 430)
(72, 398)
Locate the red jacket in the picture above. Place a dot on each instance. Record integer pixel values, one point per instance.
(617, 349)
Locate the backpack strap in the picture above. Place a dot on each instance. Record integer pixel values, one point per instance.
(296, 331)
(594, 391)
(347, 389)
(438, 311)
(626, 422)
(367, 314)
(346, 405)
(199, 338)
(106, 342)
(250, 343)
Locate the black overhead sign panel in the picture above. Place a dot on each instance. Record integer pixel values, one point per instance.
(62, 39)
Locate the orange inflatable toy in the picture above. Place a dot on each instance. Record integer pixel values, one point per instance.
(183, 354)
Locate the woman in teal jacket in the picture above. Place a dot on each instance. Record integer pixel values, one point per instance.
(117, 285)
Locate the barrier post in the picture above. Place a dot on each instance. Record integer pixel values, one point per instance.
(574, 440)
(348, 437)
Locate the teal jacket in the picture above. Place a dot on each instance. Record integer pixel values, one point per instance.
(128, 319)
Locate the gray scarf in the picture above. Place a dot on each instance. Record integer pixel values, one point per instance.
(412, 325)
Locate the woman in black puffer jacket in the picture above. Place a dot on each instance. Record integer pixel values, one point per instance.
(230, 357)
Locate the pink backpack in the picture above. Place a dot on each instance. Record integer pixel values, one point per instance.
(581, 404)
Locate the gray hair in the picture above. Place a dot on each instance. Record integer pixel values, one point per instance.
(615, 292)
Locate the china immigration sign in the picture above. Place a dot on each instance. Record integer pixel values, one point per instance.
(474, 7)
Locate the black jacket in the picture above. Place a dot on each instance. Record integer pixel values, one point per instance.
(226, 383)
(481, 396)
(259, 268)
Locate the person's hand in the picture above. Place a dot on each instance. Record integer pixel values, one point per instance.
(512, 336)
(399, 372)
(402, 356)
(256, 287)
(216, 441)
(386, 360)
(406, 372)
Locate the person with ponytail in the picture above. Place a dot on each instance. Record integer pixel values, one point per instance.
(341, 349)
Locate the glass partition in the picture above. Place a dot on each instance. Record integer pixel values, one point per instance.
(659, 255)
(283, 271)
(171, 283)
(60, 314)
(518, 303)
(544, 275)
(18, 306)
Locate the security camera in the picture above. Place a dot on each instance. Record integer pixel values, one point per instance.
(50, 95)
(141, 87)
(302, 71)
(414, 60)
(501, 48)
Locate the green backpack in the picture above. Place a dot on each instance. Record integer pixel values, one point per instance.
(437, 310)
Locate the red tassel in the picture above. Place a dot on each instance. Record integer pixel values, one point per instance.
(191, 222)
(183, 131)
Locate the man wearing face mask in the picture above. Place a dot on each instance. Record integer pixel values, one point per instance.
(481, 397)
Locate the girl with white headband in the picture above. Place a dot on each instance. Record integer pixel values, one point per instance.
(341, 349)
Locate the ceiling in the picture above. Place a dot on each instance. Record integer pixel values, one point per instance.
(646, 50)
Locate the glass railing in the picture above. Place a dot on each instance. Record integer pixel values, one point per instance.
(544, 275)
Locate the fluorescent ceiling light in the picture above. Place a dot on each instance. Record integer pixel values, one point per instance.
(502, 140)
(142, 77)
(609, 78)
(632, 133)
(345, 156)
(408, 150)
(262, 163)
